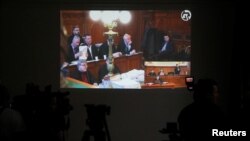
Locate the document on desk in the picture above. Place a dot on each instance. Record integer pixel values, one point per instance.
(125, 83)
(84, 52)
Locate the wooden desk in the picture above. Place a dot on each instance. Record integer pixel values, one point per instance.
(157, 86)
(177, 80)
(167, 69)
(73, 83)
(124, 63)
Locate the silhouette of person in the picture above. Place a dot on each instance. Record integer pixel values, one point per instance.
(197, 120)
(12, 126)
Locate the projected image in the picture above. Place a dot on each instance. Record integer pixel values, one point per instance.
(140, 49)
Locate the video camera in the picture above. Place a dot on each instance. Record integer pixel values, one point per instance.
(190, 83)
(97, 116)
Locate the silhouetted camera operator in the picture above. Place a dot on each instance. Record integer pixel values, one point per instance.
(45, 113)
(197, 120)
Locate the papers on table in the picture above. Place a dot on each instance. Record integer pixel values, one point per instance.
(131, 79)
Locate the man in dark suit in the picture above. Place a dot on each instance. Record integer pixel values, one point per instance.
(92, 49)
(126, 45)
(104, 70)
(82, 73)
(104, 50)
(75, 31)
(166, 51)
(73, 49)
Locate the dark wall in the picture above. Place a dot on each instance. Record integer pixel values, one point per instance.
(29, 52)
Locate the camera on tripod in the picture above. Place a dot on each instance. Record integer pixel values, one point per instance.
(172, 131)
(97, 123)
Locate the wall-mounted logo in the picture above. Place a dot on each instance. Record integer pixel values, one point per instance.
(186, 15)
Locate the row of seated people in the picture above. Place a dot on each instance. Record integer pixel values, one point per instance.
(176, 71)
(165, 51)
(125, 47)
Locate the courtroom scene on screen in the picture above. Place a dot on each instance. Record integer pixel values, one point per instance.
(125, 49)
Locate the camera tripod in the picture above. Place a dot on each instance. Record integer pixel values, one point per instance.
(97, 123)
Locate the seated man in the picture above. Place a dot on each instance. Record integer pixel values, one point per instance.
(161, 72)
(177, 69)
(126, 45)
(152, 73)
(166, 51)
(73, 49)
(104, 50)
(92, 49)
(75, 32)
(158, 80)
(104, 70)
(82, 73)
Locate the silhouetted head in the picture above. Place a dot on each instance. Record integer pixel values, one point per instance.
(205, 90)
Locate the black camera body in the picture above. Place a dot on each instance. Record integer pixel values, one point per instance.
(96, 116)
(190, 83)
(96, 121)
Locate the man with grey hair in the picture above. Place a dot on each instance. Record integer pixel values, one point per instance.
(82, 73)
(73, 49)
(126, 45)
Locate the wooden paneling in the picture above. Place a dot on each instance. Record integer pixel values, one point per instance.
(165, 21)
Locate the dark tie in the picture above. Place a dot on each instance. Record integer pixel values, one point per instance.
(90, 54)
(76, 50)
(127, 50)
